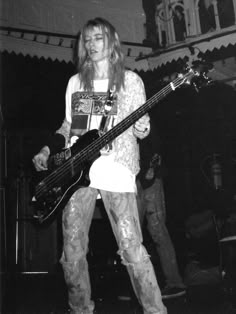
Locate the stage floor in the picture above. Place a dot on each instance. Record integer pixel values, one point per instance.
(112, 293)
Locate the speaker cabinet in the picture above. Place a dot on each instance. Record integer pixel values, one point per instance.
(31, 247)
(36, 244)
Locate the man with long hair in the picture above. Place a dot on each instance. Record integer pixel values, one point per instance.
(99, 96)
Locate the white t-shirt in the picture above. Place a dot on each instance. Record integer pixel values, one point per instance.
(85, 113)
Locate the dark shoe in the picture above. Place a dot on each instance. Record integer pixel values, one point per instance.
(172, 292)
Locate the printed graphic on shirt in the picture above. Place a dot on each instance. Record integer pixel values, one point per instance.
(87, 112)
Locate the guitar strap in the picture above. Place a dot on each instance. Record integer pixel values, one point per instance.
(107, 109)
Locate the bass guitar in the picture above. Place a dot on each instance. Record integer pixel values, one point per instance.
(68, 170)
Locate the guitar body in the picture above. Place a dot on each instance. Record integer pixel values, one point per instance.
(63, 177)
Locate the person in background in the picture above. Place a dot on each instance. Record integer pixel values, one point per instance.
(151, 205)
(101, 73)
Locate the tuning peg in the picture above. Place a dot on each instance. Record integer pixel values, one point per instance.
(207, 79)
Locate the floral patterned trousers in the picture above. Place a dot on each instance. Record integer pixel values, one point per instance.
(123, 215)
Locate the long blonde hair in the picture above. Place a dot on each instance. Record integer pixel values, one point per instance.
(116, 58)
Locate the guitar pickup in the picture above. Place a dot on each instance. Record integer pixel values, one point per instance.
(60, 158)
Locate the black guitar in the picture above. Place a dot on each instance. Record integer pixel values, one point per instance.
(68, 169)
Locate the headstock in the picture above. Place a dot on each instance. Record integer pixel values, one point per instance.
(196, 75)
(202, 67)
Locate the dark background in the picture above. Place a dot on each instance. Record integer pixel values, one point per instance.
(193, 125)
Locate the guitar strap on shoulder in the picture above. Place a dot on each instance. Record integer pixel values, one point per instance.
(107, 109)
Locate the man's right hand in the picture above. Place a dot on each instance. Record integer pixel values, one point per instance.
(149, 174)
(40, 160)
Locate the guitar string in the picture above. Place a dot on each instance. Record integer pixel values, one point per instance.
(99, 142)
